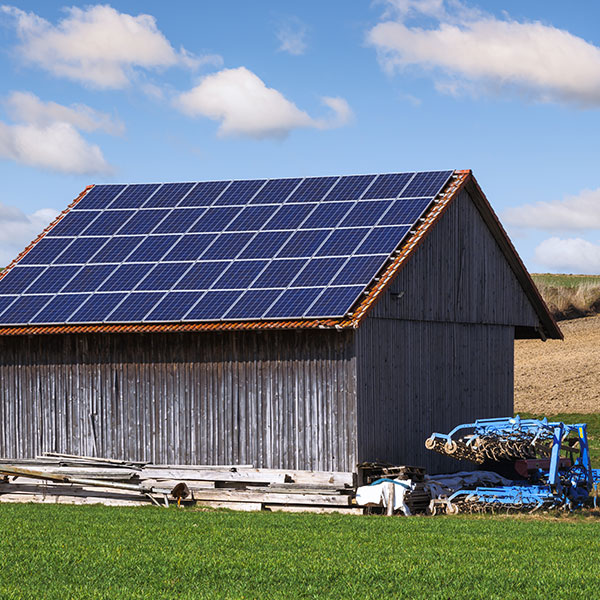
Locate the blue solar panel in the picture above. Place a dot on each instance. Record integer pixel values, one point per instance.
(99, 197)
(388, 186)
(190, 247)
(240, 192)
(281, 248)
(80, 251)
(334, 302)
(97, 308)
(144, 221)
(303, 243)
(201, 275)
(252, 218)
(342, 242)
(426, 184)
(252, 304)
(45, 251)
(134, 307)
(89, 278)
(60, 308)
(319, 272)
(240, 274)
(169, 195)
(73, 223)
(227, 245)
(289, 216)
(404, 212)
(365, 213)
(215, 219)
(294, 302)
(326, 215)
(265, 244)
(383, 240)
(6, 301)
(350, 188)
(204, 194)
(135, 195)
(359, 270)
(174, 306)
(163, 276)
(125, 278)
(180, 220)
(153, 248)
(312, 189)
(116, 249)
(108, 222)
(275, 191)
(279, 273)
(53, 281)
(213, 305)
(18, 279)
(24, 309)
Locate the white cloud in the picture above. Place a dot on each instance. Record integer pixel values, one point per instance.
(292, 36)
(45, 135)
(97, 45)
(27, 107)
(574, 255)
(578, 212)
(18, 229)
(499, 55)
(245, 106)
(58, 147)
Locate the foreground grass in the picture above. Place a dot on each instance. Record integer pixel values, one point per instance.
(593, 429)
(49, 551)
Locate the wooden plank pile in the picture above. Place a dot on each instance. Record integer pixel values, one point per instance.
(61, 478)
(417, 499)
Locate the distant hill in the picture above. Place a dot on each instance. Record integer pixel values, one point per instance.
(570, 296)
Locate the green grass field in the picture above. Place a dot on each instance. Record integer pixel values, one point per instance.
(566, 281)
(50, 551)
(60, 552)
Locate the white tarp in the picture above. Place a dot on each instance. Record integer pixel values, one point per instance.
(440, 486)
(378, 494)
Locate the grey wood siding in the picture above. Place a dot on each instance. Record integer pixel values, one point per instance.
(458, 274)
(417, 377)
(273, 399)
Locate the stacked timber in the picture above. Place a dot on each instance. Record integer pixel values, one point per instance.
(76, 479)
(417, 499)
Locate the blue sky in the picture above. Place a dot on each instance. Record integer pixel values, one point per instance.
(178, 91)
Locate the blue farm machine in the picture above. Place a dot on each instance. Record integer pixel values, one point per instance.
(548, 464)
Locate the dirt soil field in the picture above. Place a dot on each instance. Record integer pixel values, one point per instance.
(560, 377)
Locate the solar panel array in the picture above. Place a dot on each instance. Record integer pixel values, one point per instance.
(219, 250)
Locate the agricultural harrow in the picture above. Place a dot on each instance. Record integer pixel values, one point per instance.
(549, 463)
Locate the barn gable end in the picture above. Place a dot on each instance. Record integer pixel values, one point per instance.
(437, 349)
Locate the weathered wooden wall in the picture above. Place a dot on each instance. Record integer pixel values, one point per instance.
(272, 399)
(417, 377)
(460, 275)
(437, 349)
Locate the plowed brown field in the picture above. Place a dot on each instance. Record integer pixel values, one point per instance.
(560, 377)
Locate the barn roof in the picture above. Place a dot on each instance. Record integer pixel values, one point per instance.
(254, 254)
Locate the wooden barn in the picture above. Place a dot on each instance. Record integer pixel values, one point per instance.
(309, 323)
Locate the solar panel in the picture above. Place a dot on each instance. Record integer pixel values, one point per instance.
(217, 250)
(134, 307)
(169, 195)
(17, 280)
(99, 197)
(134, 196)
